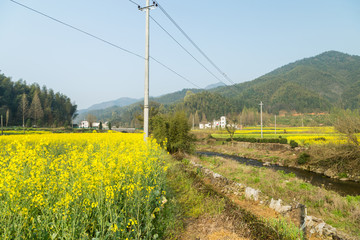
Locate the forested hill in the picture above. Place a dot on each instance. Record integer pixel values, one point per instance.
(37, 106)
(315, 84)
(311, 84)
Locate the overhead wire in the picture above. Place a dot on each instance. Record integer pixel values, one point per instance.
(175, 72)
(103, 40)
(194, 44)
(134, 3)
(186, 50)
(78, 29)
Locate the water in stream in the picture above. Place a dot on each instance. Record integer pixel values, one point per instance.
(342, 187)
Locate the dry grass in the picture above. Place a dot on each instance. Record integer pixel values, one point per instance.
(341, 212)
(213, 228)
(339, 158)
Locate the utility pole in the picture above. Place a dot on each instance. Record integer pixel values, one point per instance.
(2, 131)
(147, 9)
(302, 121)
(193, 127)
(275, 123)
(261, 105)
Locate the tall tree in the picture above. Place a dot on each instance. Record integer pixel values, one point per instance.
(23, 108)
(191, 119)
(91, 119)
(7, 117)
(203, 118)
(196, 119)
(36, 110)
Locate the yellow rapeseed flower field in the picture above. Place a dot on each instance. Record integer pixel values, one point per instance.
(302, 135)
(80, 186)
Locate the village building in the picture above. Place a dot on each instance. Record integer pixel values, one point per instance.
(84, 124)
(215, 124)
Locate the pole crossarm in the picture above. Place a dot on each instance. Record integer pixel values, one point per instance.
(151, 7)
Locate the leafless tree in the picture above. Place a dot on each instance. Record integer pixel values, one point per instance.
(231, 125)
(35, 109)
(348, 123)
(24, 107)
(91, 119)
(7, 117)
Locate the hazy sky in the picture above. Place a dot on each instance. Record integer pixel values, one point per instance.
(246, 39)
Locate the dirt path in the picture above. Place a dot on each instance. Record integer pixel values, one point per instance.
(213, 228)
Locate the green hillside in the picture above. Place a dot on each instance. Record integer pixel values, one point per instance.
(315, 84)
(311, 84)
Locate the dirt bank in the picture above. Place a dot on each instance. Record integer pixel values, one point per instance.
(284, 155)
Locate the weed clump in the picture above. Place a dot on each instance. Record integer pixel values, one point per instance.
(303, 158)
(293, 144)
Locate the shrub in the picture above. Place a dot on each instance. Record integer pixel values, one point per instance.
(293, 144)
(262, 140)
(320, 139)
(173, 132)
(303, 158)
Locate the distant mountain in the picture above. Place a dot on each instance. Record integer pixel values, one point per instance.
(105, 110)
(315, 84)
(121, 102)
(215, 85)
(171, 98)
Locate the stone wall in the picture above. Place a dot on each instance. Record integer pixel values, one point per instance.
(312, 224)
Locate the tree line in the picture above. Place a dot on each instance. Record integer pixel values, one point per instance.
(29, 105)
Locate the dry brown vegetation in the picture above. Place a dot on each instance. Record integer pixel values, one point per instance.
(339, 159)
(207, 213)
(341, 212)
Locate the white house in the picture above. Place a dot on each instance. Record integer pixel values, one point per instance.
(216, 124)
(204, 125)
(220, 123)
(223, 122)
(84, 124)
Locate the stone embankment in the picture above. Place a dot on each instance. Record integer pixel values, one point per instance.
(312, 225)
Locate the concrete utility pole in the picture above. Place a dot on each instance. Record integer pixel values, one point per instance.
(2, 131)
(261, 105)
(302, 121)
(147, 9)
(193, 127)
(275, 123)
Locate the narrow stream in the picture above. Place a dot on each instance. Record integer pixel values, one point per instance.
(342, 187)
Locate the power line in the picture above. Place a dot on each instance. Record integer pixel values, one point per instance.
(194, 44)
(78, 29)
(175, 72)
(103, 40)
(134, 3)
(186, 50)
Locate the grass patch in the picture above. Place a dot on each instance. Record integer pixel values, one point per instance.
(284, 228)
(185, 200)
(341, 212)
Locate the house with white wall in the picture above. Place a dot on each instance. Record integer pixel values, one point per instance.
(215, 124)
(204, 125)
(84, 124)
